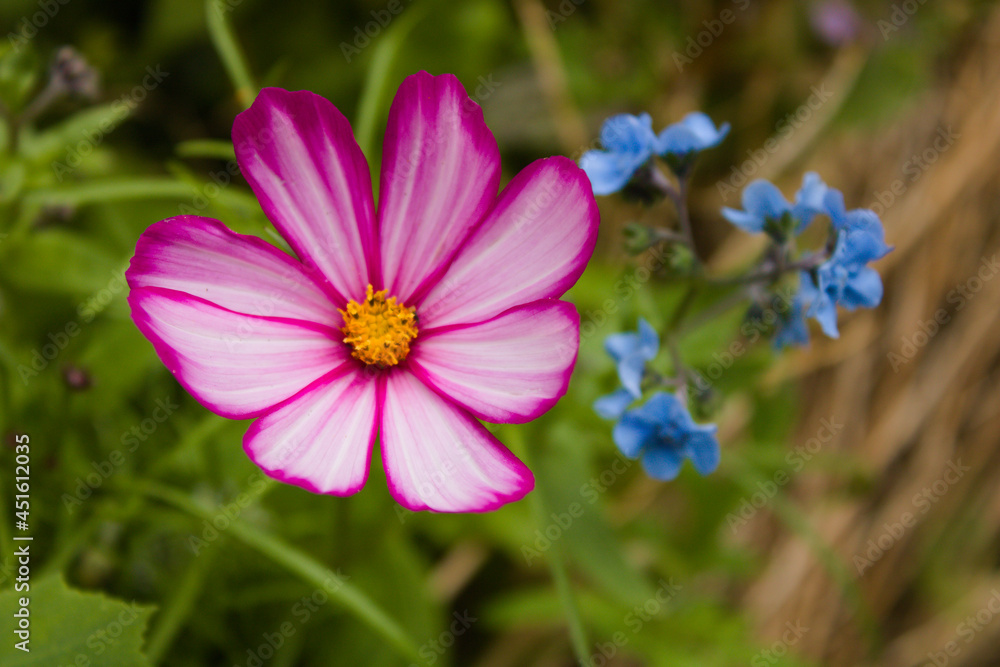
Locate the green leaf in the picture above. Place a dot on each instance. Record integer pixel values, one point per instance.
(125, 189)
(66, 624)
(62, 262)
(79, 133)
(354, 600)
(18, 73)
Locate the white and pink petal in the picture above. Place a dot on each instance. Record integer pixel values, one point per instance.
(236, 365)
(440, 174)
(201, 257)
(322, 438)
(298, 153)
(533, 245)
(437, 457)
(512, 368)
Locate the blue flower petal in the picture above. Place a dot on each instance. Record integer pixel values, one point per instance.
(793, 330)
(701, 125)
(863, 290)
(819, 306)
(632, 434)
(663, 433)
(621, 345)
(628, 142)
(649, 340)
(703, 448)
(610, 172)
(862, 237)
(809, 200)
(833, 203)
(748, 222)
(626, 133)
(662, 463)
(613, 405)
(630, 372)
(764, 200)
(695, 132)
(824, 311)
(667, 411)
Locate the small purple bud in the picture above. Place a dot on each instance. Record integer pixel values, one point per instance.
(835, 21)
(70, 73)
(76, 378)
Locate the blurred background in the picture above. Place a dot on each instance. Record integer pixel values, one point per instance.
(855, 518)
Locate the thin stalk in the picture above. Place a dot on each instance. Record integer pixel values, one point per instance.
(295, 561)
(556, 559)
(170, 618)
(377, 80)
(233, 59)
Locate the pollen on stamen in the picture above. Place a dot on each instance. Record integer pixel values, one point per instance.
(379, 329)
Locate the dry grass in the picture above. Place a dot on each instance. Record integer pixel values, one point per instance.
(906, 425)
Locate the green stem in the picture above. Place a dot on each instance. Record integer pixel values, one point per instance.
(224, 41)
(295, 561)
(171, 616)
(720, 307)
(377, 80)
(556, 559)
(129, 189)
(682, 308)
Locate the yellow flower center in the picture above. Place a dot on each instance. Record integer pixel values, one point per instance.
(378, 329)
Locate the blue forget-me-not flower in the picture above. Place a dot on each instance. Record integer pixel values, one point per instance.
(845, 279)
(692, 134)
(629, 143)
(662, 434)
(630, 352)
(766, 209)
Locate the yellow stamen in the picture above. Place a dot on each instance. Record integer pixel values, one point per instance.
(378, 329)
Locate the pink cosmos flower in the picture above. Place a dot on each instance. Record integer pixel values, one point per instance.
(410, 322)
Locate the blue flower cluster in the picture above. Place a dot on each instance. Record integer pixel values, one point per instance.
(660, 432)
(629, 143)
(844, 278)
